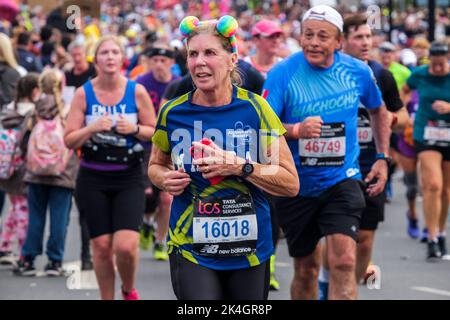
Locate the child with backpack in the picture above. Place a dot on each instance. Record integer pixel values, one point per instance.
(16, 121)
(50, 174)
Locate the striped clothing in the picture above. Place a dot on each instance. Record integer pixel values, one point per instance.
(243, 126)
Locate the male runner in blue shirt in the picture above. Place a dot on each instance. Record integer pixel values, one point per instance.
(316, 93)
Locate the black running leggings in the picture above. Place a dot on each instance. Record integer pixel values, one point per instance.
(191, 281)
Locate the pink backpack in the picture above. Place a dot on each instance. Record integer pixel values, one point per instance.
(47, 154)
(10, 153)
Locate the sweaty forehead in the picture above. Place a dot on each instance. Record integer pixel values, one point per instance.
(438, 59)
(360, 30)
(109, 45)
(318, 26)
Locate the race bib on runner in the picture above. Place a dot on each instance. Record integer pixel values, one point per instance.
(225, 226)
(365, 136)
(364, 130)
(326, 151)
(437, 133)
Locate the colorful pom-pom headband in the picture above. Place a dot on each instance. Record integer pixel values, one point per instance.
(227, 26)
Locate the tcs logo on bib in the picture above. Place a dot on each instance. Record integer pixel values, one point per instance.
(208, 208)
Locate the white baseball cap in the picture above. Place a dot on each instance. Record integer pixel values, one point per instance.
(408, 57)
(325, 13)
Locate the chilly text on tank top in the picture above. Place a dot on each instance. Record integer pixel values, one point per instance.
(110, 151)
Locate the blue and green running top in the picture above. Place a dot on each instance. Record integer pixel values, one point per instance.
(245, 126)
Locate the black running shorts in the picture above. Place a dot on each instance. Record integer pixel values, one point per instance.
(111, 200)
(373, 213)
(305, 220)
(420, 147)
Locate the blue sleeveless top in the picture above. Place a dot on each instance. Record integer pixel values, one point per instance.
(126, 107)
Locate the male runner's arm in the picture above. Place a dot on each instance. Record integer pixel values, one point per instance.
(381, 131)
(309, 128)
(402, 119)
(274, 92)
(406, 94)
(398, 114)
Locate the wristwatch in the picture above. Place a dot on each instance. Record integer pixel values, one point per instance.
(385, 157)
(247, 169)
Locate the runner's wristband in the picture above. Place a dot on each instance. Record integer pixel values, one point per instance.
(385, 157)
(296, 130)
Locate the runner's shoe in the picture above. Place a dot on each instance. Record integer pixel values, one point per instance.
(274, 285)
(133, 295)
(424, 238)
(443, 248)
(433, 251)
(413, 229)
(146, 236)
(160, 252)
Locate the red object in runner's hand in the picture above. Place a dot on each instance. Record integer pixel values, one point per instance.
(197, 155)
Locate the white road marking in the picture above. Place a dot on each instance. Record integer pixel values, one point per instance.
(432, 290)
(283, 264)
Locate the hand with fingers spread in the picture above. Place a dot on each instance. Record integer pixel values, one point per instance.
(124, 127)
(378, 172)
(102, 124)
(175, 181)
(309, 128)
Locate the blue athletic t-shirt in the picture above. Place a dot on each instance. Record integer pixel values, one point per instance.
(296, 90)
(242, 126)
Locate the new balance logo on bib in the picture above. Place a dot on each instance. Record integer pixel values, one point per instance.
(225, 226)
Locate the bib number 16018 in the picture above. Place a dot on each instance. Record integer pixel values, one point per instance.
(225, 229)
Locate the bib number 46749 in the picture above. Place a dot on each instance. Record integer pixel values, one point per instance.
(328, 150)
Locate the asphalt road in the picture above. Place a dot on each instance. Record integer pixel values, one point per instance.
(404, 272)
